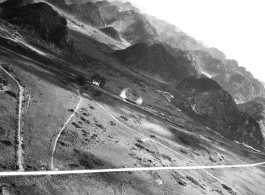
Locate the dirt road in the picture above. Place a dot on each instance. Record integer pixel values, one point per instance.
(19, 137)
(54, 142)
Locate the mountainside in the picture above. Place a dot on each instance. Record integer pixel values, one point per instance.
(155, 60)
(256, 109)
(102, 104)
(209, 64)
(111, 32)
(173, 36)
(205, 100)
(125, 6)
(132, 25)
(15, 3)
(241, 87)
(86, 12)
(39, 19)
(79, 1)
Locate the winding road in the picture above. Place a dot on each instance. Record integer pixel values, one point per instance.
(19, 137)
(54, 142)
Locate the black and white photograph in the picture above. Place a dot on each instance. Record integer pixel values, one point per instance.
(132, 97)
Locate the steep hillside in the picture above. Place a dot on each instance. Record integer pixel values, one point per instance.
(209, 64)
(241, 87)
(79, 1)
(256, 109)
(132, 26)
(111, 32)
(87, 12)
(125, 6)
(40, 20)
(135, 27)
(15, 3)
(206, 101)
(173, 36)
(155, 60)
(147, 112)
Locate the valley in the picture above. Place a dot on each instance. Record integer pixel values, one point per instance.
(60, 127)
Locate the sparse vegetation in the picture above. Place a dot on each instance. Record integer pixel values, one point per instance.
(195, 181)
(76, 125)
(124, 118)
(12, 94)
(228, 189)
(92, 138)
(184, 141)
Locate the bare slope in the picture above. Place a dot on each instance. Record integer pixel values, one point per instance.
(155, 60)
(106, 130)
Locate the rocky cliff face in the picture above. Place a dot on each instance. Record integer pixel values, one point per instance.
(131, 25)
(15, 3)
(155, 61)
(111, 32)
(232, 66)
(206, 101)
(79, 1)
(256, 109)
(126, 6)
(41, 20)
(59, 3)
(176, 38)
(241, 87)
(209, 64)
(86, 12)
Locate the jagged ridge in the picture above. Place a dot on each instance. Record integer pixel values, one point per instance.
(157, 61)
(205, 100)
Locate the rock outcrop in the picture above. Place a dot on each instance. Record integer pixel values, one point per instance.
(86, 12)
(132, 25)
(126, 6)
(209, 64)
(111, 32)
(156, 61)
(241, 87)
(256, 109)
(39, 19)
(176, 38)
(207, 102)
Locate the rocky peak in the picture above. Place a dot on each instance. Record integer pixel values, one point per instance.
(41, 20)
(156, 60)
(126, 6)
(241, 87)
(256, 109)
(87, 12)
(175, 37)
(209, 64)
(208, 103)
(132, 25)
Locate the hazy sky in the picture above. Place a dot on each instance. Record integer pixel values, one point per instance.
(236, 27)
